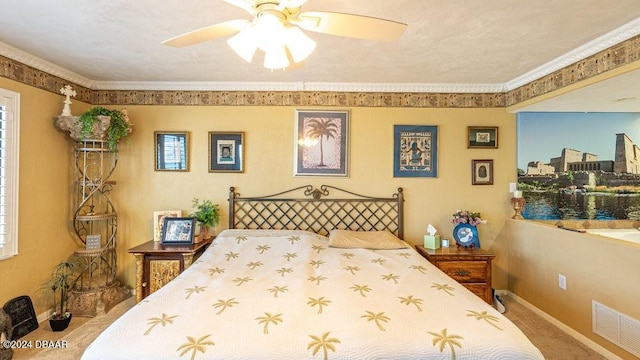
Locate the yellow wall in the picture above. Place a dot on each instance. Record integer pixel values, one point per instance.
(597, 268)
(46, 175)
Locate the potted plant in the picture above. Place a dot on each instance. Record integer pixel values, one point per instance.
(119, 126)
(97, 123)
(62, 280)
(207, 215)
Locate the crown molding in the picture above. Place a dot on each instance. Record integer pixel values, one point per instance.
(196, 86)
(296, 86)
(43, 65)
(408, 88)
(616, 36)
(601, 43)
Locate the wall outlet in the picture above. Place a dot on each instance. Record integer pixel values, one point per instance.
(562, 282)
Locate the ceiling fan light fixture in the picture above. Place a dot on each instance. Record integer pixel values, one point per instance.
(300, 45)
(244, 44)
(269, 31)
(275, 57)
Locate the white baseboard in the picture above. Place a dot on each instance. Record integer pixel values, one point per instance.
(576, 335)
(44, 316)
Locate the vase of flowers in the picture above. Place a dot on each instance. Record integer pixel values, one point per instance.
(465, 232)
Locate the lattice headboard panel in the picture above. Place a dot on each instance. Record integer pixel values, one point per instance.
(318, 212)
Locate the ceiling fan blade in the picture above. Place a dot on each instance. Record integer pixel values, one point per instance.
(355, 26)
(246, 5)
(207, 33)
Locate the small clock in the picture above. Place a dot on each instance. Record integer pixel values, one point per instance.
(466, 236)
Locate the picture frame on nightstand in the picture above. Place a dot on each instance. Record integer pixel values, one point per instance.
(158, 221)
(178, 230)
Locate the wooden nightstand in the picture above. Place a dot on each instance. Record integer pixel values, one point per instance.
(157, 264)
(471, 268)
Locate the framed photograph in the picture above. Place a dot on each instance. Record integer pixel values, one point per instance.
(321, 143)
(415, 151)
(172, 151)
(483, 137)
(178, 230)
(158, 221)
(226, 151)
(482, 172)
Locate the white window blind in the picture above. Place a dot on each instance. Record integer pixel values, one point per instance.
(9, 145)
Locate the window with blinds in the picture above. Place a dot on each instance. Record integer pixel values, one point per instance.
(9, 142)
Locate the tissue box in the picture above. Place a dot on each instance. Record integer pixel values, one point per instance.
(432, 242)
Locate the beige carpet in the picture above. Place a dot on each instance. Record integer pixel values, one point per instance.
(552, 342)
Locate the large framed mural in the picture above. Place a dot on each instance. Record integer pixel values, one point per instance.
(579, 165)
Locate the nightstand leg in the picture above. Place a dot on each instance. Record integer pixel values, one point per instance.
(139, 271)
(188, 259)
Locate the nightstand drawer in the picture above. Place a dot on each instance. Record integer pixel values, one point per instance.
(480, 290)
(465, 271)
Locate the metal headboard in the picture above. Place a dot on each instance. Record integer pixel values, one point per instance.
(317, 212)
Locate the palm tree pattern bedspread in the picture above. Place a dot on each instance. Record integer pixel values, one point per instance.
(262, 294)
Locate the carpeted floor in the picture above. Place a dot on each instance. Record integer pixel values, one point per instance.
(552, 342)
(80, 333)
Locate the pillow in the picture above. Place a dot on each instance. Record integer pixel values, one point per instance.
(376, 240)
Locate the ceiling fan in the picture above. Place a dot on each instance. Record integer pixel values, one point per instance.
(276, 30)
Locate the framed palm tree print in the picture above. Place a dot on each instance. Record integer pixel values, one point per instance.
(321, 146)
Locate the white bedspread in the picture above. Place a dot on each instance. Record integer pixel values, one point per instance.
(257, 294)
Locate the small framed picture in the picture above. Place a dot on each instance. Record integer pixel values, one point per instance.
(482, 172)
(226, 151)
(172, 150)
(178, 230)
(158, 221)
(483, 137)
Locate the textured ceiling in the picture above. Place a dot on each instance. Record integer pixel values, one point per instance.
(492, 44)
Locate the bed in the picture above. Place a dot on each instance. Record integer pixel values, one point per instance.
(312, 277)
